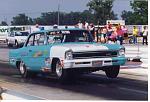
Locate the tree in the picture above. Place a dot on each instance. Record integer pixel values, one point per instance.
(3, 23)
(87, 15)
(21, 19)
(102, 10)
(72, 18)
(139, 15)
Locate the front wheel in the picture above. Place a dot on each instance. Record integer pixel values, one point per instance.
(112, 71)
(60, 73)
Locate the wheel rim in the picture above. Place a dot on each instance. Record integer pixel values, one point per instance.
(7, 42)
(16, 44)
(59, 69)
(22, 69)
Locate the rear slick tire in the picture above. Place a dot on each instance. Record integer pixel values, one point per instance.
(25, 73)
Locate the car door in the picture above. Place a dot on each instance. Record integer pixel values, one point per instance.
(11, 38)
(37, 50)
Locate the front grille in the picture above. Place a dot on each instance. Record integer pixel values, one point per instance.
(94, 54)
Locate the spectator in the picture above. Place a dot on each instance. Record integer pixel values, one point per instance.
(104, 36)
(86, 25)
(101, 35)
(92, 30)
(145, 35)
(120, 34)
(113, 36)
(80, 25)
(135, 34)
(125, 30)
(96, 35)
(37, 28)
(109, 29)
(109, 26)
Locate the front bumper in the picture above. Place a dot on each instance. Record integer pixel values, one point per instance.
(93, 62)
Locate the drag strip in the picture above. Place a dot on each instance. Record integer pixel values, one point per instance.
(93, 86)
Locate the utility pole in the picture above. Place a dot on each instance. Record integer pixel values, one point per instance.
(58, 12)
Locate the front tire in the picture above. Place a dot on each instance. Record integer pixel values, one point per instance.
(60, 73)
(112, 72)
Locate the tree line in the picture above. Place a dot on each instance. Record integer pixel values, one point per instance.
(99, 11)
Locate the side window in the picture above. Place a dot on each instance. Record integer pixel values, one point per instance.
(30, 41)
(12, 34)
(39, 39)
(55, 37)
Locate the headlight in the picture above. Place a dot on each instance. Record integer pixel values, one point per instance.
(121, 52)
(68, 55)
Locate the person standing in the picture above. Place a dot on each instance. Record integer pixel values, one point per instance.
(135, 34)
(145, 35)
(113, 36)
(37, 28)
(86, 25)
(80, 25)
(109, 29)
(125, 33)
(92, 29)
(120, 35)
(101, 35)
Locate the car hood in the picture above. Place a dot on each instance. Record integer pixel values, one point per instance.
(89, 47)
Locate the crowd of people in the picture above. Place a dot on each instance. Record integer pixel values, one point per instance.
(115, 33)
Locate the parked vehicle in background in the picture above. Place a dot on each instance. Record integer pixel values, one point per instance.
(66, 52)
(3, 33)
(16, 38)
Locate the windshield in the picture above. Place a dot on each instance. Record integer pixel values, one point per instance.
(21, 33)
(70, 36)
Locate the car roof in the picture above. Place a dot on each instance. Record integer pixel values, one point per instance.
(64, 29)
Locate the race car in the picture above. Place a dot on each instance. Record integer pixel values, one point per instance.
(66, 52)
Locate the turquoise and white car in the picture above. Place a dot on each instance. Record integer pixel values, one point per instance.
(65, 52)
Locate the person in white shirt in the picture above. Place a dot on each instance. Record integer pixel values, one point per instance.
(80, 25)
(86, 25)
(37, 28)
(145, 35)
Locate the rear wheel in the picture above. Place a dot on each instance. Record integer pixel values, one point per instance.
(8, 44)
(112, 72)
(25, 73)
